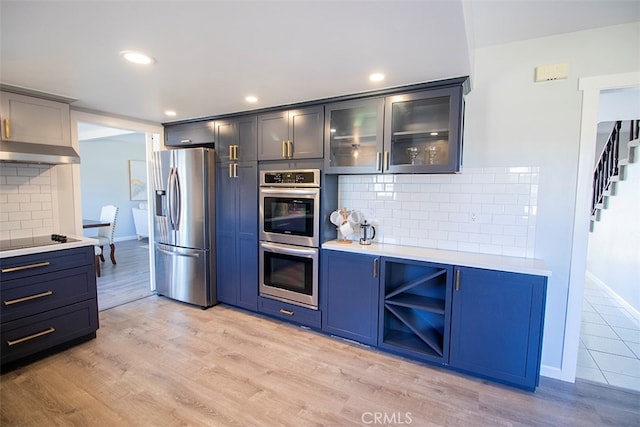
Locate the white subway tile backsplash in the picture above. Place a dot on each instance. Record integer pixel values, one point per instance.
(486, 210)
(17, 180)
(27, 194)
(27, 171)
(19, 216)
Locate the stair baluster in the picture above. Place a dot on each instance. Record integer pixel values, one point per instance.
(607, 166)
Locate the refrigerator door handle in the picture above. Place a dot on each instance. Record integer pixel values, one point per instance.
(170, 197)
(178, 199)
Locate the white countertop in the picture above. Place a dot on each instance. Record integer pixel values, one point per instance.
(464, 259)
(82, 241)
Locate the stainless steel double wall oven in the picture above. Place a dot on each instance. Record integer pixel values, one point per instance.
(290, 236)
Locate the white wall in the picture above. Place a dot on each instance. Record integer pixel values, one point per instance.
(614, 244)
(511, 121)
(104, 172)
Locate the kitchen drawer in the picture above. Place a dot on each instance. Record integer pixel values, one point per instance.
(30, 335)
(45, 262)
(290, 312)
(31, 295)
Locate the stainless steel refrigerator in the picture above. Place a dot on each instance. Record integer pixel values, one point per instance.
(184, 225)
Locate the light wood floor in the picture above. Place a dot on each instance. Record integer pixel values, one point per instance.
(128, 280)
(157, 362)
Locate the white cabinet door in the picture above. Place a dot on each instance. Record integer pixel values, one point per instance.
(35, 120)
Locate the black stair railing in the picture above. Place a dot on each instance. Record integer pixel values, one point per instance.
(606, 167)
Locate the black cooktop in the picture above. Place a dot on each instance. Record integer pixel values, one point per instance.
(32, 242)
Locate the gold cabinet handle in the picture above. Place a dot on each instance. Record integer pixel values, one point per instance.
(386, 160)
(235, 170)
(231, 152)
(25, 267)
(284, 149)
(235, 152)
(375, 267)
(7, 129)
(289, 149)
(30, 337)
(287, 312)
(230, 170)
(457, 280)
(379, 161)
(29, 298)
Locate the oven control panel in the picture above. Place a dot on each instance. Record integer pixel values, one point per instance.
(292, 178)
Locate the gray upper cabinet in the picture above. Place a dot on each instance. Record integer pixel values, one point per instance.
(190, 134)
(354, 136)
(423, 131)
(34, 120)
(292, 134)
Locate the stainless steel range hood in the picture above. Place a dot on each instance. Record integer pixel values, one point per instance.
(23, 152)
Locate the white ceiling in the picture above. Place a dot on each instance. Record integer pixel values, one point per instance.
(211, 54)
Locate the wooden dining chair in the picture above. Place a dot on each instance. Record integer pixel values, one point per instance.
(108, 214)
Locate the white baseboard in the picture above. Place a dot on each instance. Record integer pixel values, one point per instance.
(631, 309)
(555, 373)
(122, 239)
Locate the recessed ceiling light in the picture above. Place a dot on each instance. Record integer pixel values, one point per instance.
(137, 57)
(376, 77)
(251, 99)
(170, 113)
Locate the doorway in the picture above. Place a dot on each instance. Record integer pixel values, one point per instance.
(595, 335)
(114, 170)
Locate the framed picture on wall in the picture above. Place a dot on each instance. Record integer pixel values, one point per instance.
(138, 179)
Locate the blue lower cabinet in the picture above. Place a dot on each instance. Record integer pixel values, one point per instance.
(497, 324)
(349, 293)
(290, 312)
(237, 234)
(415, 309)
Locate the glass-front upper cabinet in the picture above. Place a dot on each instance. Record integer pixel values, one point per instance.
(423, 131)
(353, 133)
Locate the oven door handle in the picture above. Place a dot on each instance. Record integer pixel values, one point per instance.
(288, 250)
(290, 191)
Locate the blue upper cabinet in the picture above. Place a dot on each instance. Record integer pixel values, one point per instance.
(293, 134)
(190, 134)
(423, 131)
(349, 296)
(353, 132)
(417, 131)
(236, 139)
(496, 326)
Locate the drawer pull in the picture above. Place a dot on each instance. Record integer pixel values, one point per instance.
(29, 298)
(287, 312)
(25, 267)
(30, 337)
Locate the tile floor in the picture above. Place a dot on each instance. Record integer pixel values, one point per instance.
(609, 349)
